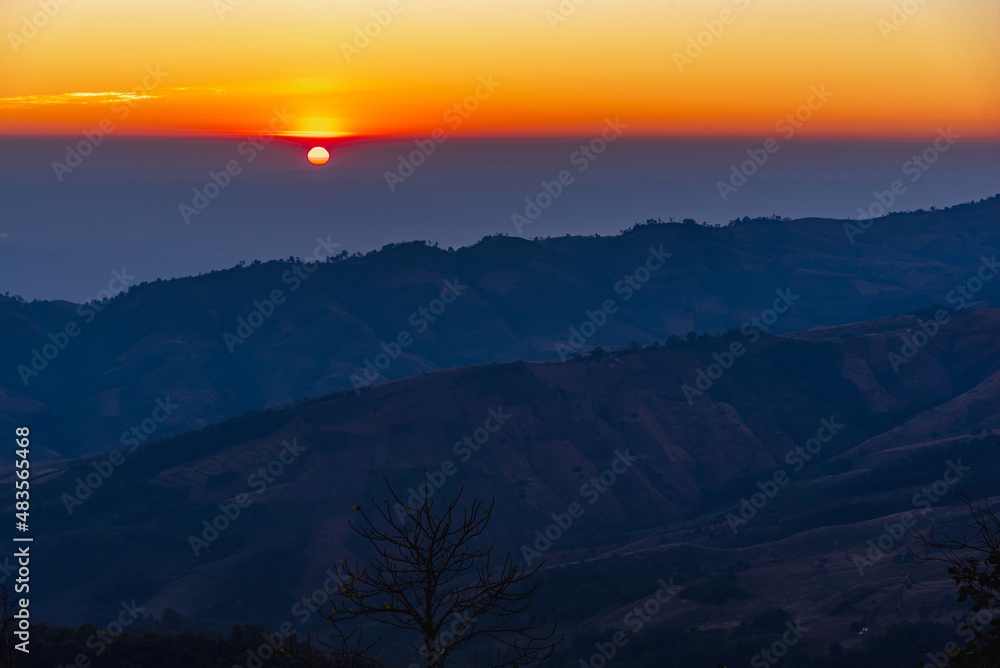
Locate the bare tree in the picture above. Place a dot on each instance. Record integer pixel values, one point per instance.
(973, 562)
(433, 574)
(10, 656)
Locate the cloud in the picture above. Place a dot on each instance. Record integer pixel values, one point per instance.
(105, 97)
(70, 98)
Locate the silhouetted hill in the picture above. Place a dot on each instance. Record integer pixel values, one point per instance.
(676, 507)
(166, 341)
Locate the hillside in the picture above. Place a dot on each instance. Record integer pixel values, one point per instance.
(674, 511)
(215, 346)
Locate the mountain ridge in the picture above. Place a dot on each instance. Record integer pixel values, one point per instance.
(168, 338)
(142, 534)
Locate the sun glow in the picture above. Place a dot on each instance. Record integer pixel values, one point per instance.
(655, 65)
(314, 135)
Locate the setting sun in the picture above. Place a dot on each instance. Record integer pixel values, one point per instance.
(319, 156)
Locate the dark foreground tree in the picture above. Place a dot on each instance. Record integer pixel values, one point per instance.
(435, 576)
(973, 562)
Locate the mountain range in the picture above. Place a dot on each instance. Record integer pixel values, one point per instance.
(784, 477)
(171, 356)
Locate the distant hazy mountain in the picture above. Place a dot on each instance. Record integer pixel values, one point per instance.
(174, 355)
(121, 207)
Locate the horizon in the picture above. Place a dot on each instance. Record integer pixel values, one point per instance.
(429, 243)
(133, 201)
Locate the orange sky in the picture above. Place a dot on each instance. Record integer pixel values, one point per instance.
(226, 64)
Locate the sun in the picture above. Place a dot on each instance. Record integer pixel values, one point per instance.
(319, 156)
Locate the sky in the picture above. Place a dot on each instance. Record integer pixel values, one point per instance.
(116, 115)
(674, 68)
